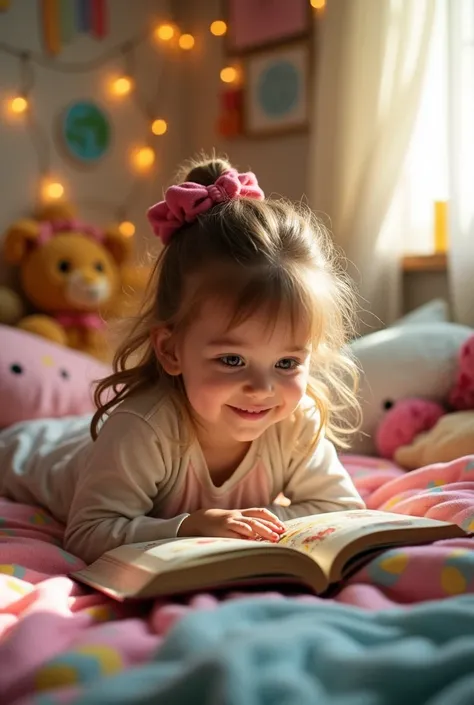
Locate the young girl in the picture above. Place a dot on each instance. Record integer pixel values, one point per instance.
(211, 411)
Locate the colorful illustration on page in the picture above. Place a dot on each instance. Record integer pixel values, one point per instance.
(308, 537)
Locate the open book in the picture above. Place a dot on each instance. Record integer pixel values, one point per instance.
(316, 551)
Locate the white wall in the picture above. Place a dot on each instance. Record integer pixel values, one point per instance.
(279, 162)
(111, 180)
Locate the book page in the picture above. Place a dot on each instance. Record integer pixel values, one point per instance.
(323, 536)
(168, 554)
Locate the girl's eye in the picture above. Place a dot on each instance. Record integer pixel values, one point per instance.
(287, 364)
(231, 360)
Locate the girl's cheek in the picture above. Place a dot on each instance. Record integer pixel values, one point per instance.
(297, 384)
(220, 380)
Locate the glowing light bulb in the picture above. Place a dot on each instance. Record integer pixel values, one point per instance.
(164, 32)
(318, 4)
(186, 41)
(18, 105)
(229, 74)
(218, 28)
(144, 158)
(122, 86)
(159, 126)
(126, 228)
(51, 190)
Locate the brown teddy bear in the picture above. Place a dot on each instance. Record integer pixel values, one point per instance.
(69, 270)
(12, 308)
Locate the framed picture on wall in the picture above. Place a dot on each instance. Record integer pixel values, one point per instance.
(84, 132)
(277, 90)
(254, 24)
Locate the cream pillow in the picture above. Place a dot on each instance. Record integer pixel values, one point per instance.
(452, 437)
(406, 360)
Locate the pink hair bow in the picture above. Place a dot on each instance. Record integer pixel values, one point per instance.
(184, 202)
(50, 228)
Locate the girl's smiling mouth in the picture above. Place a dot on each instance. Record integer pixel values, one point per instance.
(253, 413)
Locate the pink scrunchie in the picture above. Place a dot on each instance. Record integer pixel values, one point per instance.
(184, 202)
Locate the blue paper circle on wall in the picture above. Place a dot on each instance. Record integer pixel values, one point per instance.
(86, 131)
(279, 88)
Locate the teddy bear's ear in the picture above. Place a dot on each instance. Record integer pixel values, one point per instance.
(120, 246)
(19, 240)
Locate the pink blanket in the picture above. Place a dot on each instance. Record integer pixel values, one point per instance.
(54, 637)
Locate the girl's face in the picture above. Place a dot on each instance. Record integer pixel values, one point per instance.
(239, 382)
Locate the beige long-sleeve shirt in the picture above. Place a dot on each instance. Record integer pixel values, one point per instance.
(139, 479)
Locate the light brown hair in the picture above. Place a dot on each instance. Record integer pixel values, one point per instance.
(255, 255)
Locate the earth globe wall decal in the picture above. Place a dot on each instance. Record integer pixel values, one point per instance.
(86, 132)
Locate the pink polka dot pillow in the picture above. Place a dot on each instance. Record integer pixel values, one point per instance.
(40, 379)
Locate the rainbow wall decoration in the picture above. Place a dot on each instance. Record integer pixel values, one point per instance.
(63, 20)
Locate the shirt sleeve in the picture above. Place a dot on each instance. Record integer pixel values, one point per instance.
(317, 482)
(123, 474)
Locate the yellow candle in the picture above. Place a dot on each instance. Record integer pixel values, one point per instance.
(441, 226)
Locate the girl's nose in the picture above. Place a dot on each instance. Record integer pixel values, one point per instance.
(259, 385)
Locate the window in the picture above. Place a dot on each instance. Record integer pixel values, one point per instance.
(424, 178)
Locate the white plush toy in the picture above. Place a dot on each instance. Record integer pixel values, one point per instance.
(417, 357)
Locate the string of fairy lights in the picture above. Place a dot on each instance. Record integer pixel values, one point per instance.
(21, 105)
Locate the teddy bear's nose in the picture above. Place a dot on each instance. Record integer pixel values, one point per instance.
(89, 277)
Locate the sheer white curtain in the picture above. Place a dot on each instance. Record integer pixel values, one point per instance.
(461, 157)
(371, 61)
(425, 175)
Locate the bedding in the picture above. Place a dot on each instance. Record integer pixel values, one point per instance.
(402, 628)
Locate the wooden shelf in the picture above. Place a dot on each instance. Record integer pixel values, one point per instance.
(425, 263)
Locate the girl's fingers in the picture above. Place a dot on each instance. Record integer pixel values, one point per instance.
(269, 524)
(264, 514)
(240, 527)
(262, 529)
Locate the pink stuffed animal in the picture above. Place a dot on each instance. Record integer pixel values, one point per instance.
(403, 422)
(462, 394)
(409, 417)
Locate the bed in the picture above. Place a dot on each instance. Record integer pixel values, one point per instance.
(400, 630)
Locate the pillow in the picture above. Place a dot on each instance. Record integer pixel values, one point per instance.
(452, 437)
(41, 379)
(435, 310)
(404, 361)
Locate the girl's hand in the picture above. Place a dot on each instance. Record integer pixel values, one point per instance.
(251, 524)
